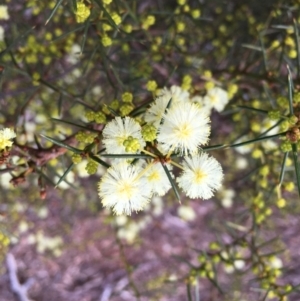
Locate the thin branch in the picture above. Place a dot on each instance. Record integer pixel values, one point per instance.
(20, 290)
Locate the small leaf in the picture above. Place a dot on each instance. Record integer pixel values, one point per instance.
(290, 87)
(283, 168)
(284, 27)
(271, 128)
(58, 3)
(268, 255)
(39, 171)
(37, 142)
(253, 47)
(74, 5)
(60, 143)
(65, 174)
(88, 63)
(252, 109)
(26, 103)
(263, 53)
(101, 162)
(86, 28)
(106, 13)
(82, 26)
(141, 109)
(297, 47)
(212, 147)
(188, 289)
(112, 111)
(170, 76)
(75, 124)
(296, 165)
(171, 181)
(267, 243)
(16, 41)
(127, 156)
(255, 140)
(60, 102)
(131, 13)
(167, 107)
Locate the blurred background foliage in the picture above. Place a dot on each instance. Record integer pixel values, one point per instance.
(61, 60)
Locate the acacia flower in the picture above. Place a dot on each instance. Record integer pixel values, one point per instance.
(82, 12)
(117, 131)
(122, 189)
(185, 127)
(199, 100)
(157, 179)
(5, 138)
(216, 98)
(155, 113)
(202, 175)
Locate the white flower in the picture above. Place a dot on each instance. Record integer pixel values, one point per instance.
(5, 180)
(243, 149)
(202, 175)
(117, 131)
(157, 205)
(187, 213)
(228, 268)
(239, 264)
(4, 12)
(241, 163)
(216, 98)
(155, 113)
(227, 197)
(185, 127)
(199, 100)
(121, 220)
(275, 262)
(157, 178)
(178, 93)
(97, 90)
(74, 55)
(5, 136)
(226, 202)
(129, 233)
(122, 189)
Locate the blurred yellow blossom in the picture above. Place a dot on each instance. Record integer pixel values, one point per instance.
(82, 12)
(5, 138)
(150, 20)
(4, 12)
(106, 41)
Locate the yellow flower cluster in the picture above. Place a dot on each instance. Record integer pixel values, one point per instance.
(82, 13)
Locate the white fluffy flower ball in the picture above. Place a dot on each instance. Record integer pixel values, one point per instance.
(157, 178)
(185, 127)
(155, 113)
(202, 175)
(123, 189)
